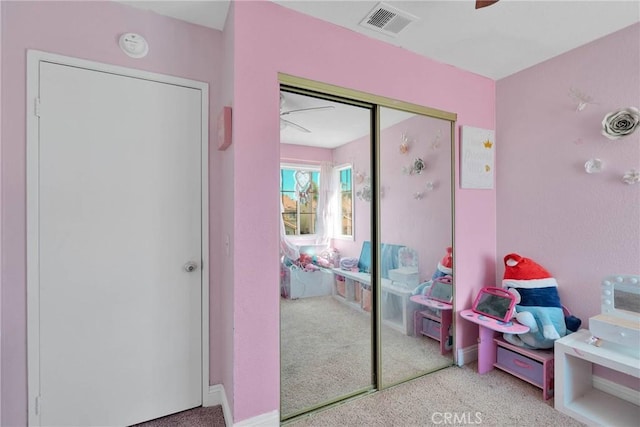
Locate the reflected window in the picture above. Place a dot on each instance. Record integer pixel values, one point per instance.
(299, 194)
(344, 200)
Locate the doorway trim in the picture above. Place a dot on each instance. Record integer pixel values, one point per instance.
(34, 57)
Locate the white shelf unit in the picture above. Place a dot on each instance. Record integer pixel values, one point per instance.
(396, 312)
(400, 320)
(575, 394)
(352, 295)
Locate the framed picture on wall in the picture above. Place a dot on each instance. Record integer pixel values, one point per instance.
(477, 157)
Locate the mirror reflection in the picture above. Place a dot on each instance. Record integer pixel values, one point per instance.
(325, 326)
(416, 234)
(326, 288)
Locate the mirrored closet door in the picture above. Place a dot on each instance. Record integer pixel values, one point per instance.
(366, 236)
(415, 220)
(325, 312)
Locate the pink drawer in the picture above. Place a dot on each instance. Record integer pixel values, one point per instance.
(431, 328)
(520, 365)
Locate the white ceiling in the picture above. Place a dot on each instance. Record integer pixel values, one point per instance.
(332, 127)
(495, 41)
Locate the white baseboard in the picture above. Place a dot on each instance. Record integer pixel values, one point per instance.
(467, 354)
(217, 396)
(270, 419)
(620, 391)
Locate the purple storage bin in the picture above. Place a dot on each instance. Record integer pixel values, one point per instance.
(520, 365)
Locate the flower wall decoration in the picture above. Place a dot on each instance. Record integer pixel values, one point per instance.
(364, 193)
(430, 186)
(435, 144)
(582, 99)
(415, 168)
(593, 166)
(631, 177)
(405, 144)
(620, 123)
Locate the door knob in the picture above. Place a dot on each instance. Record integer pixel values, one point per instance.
(190, 267)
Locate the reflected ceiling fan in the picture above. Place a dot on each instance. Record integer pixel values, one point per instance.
(288, 123)
(480, 3)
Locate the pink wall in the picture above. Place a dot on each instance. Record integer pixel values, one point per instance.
(581, 227)
(224, 199)
(1, 202)
(86, 30)
(256, 45)
(264, 45)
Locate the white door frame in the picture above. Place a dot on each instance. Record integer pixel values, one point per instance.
(34, 58)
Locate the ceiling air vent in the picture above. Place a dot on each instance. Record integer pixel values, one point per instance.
(387, 19)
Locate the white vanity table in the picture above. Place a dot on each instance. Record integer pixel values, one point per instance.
(574, 391)
(402, 321)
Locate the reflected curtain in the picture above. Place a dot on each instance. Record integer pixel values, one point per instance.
(325, 212)
(287, 248)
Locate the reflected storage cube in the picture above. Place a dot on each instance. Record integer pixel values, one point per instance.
(431, 328)
(366, 298)
(340, 286)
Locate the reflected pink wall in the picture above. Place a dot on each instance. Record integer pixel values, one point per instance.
(327, 53)
(358, 153)
(581, 227)
(87, 30)
(291, 153)
(421, 224)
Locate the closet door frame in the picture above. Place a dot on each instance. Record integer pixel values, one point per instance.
(376, 102)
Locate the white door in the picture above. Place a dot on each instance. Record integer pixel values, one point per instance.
(119, 196)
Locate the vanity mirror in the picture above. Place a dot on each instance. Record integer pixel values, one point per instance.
(619, 321)
(621, 296)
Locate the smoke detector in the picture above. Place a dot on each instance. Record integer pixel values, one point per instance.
(387, 19)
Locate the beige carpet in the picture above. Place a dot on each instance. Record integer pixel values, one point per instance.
(326, 352)
(196, 417)
(458, 395)
(492, 399)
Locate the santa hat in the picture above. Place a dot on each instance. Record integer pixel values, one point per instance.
(521, 272)
(446, 264)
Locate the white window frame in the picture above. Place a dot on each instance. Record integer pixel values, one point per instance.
(338, 204)
(302, 167)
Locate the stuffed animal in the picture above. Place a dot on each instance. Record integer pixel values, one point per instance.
(445, 266)
(537, 302)
(444, 269)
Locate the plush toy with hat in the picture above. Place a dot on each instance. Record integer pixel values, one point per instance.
(445, 266)
(537, 302)
(444, 269)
